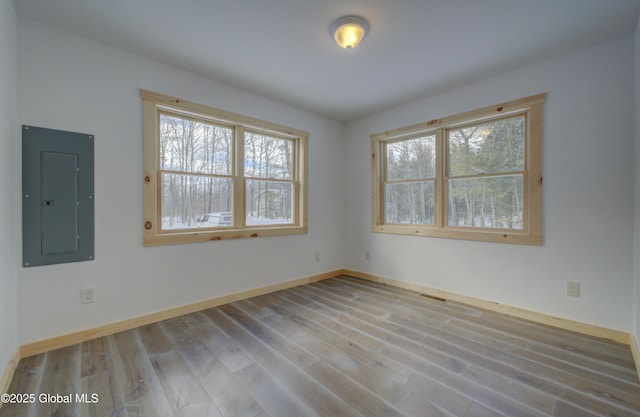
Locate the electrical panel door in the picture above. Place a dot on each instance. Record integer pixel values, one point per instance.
(57, 196)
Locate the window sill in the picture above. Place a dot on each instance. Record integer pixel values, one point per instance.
(170, 238)
(484, 235)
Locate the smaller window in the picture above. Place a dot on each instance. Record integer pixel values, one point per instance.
(212, 175)
(475, 176)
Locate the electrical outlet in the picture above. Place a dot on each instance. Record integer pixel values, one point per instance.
(573, 289)
(317, 257)
(87, 296)
(367, 256)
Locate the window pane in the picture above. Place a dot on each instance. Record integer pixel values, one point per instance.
(191, 202)
(493, 202)
(492, 147)
(269, 202)
(194, 146)
(411, 159)
(409, 203)
(267, 157)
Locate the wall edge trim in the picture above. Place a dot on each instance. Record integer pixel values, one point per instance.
(635, 351)
(9, 371)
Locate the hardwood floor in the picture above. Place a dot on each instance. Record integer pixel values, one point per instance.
(340, 347)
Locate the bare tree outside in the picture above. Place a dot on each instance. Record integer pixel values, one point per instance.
(195, 161)
(197, 178)
(486, 164)
(410, 178)
(268, 169)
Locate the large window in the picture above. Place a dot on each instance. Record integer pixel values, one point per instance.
(476, 175)
(212, 175)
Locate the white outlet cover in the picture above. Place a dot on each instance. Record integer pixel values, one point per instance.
(87, 296)
(573, 289)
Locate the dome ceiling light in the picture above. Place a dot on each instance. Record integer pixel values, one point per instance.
(348, 31)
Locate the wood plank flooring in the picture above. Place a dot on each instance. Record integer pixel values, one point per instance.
(341, 347)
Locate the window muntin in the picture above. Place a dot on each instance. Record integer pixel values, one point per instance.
(212, 175)
(481, 180)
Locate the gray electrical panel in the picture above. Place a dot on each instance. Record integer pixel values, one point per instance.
(57, 197)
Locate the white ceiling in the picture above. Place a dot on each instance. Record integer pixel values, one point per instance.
(282, 48)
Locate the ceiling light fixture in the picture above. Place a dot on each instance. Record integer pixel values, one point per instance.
(348, 31)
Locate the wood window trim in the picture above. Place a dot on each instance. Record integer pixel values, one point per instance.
(153, 103)
(531, 234)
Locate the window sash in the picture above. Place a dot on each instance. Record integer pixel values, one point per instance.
(273, 222)
(489, 214)
(197, 225)
(529, 232)
(195, 119)
(479, 123)
(410, 175)
(291, 175)
(422, 209)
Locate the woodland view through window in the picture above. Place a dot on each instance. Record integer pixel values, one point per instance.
(474, 176)
(211, 175)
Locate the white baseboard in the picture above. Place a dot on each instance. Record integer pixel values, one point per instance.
(84, 335)
(34, 348)
(563, 323)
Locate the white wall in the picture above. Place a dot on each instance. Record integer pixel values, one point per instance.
(8, 176)
(588, 198)
(72, 83)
